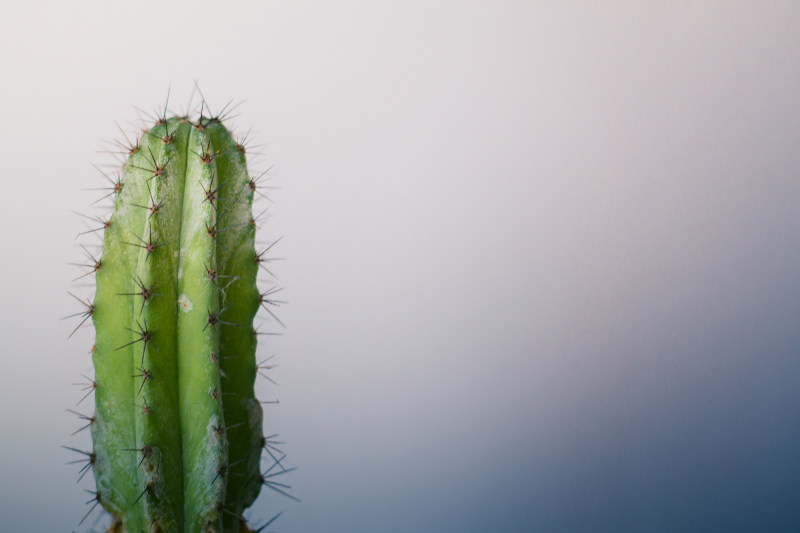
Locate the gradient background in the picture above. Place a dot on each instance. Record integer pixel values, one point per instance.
(543, 258)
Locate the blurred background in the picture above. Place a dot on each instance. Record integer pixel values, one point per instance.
(542, 259)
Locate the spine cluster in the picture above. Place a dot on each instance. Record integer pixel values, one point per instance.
(177, 430)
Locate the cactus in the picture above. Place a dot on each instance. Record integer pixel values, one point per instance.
(177, 430)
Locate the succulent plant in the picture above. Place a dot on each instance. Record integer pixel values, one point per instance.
(177, 430)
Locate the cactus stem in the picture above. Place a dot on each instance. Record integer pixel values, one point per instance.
(196, 471)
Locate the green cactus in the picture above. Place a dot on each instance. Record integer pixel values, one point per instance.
(177, 430)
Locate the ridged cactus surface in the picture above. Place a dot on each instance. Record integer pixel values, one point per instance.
(177, 430)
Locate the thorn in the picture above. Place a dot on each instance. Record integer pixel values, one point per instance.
(255, 220)
(220, 430)
(256, 187)
(145, 337)
(144, 292)
(225, 113)
(162, 119)
(191, 98)
(211, 231)
(269, 522)
(86, 314)
(96, 501)
(157, 170)
(94, 267)
(146, 451)
(217, 117)
(145, 375)
(281, 488)
(90, 459)
(264, 300)
(222, 472)
(271, 446)
(116, 184)
(237, 516)
(104, 224)
(213, 319)
(207, 157)
(148, 116)
(256, 333)
(148, 245)
(89, 419)
(269, 402)
(243, 146)
(146, 409)
(76, 450)
(210, 196)
(260, 368)
(148, 488)
(168, 137)
(261, 258)
(90, 386)
(153, 207)
(131, 147)
(211, 273)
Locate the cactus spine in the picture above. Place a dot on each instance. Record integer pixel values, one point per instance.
(177, 429)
